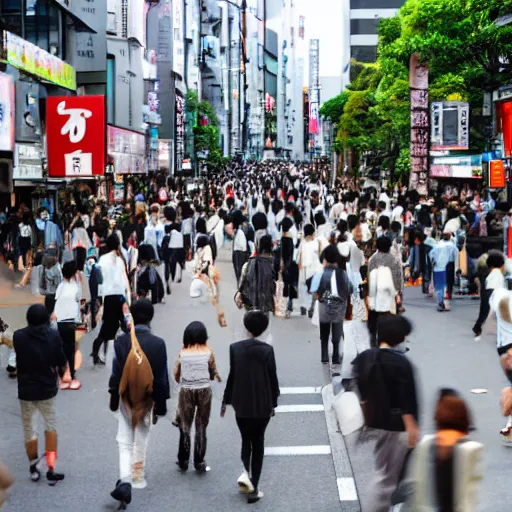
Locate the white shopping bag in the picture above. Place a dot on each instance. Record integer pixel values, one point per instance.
(315, 320)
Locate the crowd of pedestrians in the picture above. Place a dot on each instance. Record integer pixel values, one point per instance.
(297, 245)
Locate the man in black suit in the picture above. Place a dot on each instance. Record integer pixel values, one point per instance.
(252, 389)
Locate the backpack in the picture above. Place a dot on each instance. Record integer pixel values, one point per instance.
(136, 385)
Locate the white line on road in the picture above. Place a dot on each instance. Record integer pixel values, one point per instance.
(300, 408)
(301, 391)
(297, 450)
(347, 489)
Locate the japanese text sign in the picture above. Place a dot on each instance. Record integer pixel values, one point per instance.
(497, 174)
(75, 136)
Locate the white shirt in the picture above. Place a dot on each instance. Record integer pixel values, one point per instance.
(67, 301)
(115, 281)
(495, 280)
(240, 242)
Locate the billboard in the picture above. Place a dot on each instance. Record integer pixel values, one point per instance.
(128, 150)
(497, 178)
(450, 125)
(75, 129)
(6, 113)
(314, 91)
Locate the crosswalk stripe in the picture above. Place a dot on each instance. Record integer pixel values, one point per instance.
(300, 408)
(301, 391)
(280, 451)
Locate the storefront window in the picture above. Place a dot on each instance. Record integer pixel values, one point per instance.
(42, 26)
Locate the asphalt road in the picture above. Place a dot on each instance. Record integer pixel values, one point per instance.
(442, 349)
(87, 429)
(445, 355)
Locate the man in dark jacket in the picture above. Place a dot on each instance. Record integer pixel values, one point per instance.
(133, 440)
(40, 360)
(387, 387)
(252, 389)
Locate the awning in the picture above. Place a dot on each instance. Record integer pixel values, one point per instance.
(79, 23)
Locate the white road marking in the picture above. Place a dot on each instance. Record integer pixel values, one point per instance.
(301, 391)
(300, 408)
(297, 450)
(347, 489)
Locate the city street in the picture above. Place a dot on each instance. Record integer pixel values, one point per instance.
(298, 471)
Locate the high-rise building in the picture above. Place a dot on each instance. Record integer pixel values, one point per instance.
(361, 20)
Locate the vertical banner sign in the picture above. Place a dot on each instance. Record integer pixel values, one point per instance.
(418, 82)
(75, 136)
(497, 177)
(314, 96)
(6, 113)
(180, 132)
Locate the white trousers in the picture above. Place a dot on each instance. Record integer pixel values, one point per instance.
(305, 298)
(132, 444)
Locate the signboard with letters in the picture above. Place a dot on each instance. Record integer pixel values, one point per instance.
(6, 112)
(75, 136)
(33, 60)
(497, 178)
(128, 150)
(28, 162)
(453, 166)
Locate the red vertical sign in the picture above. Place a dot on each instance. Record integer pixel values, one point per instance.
(75, 128)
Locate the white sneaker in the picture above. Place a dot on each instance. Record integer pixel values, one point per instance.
(478, 338)
(245, 484)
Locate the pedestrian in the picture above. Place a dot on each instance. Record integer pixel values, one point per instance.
(67, 316)
(445, 468)
(40, 362)
(241, 250)
(495, 280)
(252, 389)
(194, 370)
(115, 292)
(92, 272)
(387, 388)
(419, 262)
(332, 288)
(309, 265)
(139, 390)
(288, 265)
(51, 277)
(384, 285)
(445, 253)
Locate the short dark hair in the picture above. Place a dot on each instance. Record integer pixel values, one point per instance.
(256, 322)
(37, 315)
(393, 329)
(384, 222)
(142, 312)
(383, 244)
(309, 230)
(69, 269)
(201, 226)
(495, 260)
(113, 243)
(286, 224)
(195, 334)
(259, 221)
(265, 245)
(352, 221)
(202, 241)
(319, 219)
(331, 254)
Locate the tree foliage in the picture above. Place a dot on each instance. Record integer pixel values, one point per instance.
(467, 52)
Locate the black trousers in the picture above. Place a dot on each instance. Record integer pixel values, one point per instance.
(253, 445)
(337, 333)
(80, 256)
(373, 326)
(240, 258)
(67, 335)
(485, 296)
(113, 318)
(49, 303)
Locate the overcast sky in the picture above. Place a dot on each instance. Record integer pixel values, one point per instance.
(324, 21)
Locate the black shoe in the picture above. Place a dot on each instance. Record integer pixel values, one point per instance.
(303, 311)
(202, 467)
(478, 332)
(254, 496)
(96, 360)
(11, 369)
(35, 474)
(54, 478)
(168, 290)
(182, 465)
(310, 314)
(122, 493)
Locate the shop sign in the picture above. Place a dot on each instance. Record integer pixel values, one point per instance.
(164, 154)
(33, 60)
(28, 162)
(450, 125)
(497, 174)
(128, 150)
(457, 167)
(28, 125)
(6, 113)
(75, 127)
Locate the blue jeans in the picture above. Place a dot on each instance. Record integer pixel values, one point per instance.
(440, 285)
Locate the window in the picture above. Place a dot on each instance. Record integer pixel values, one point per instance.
(111, 89)
(42, 26)
(364, 53)
(363, 26)
(11, 13)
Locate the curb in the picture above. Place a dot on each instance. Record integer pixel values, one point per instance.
(347, 490)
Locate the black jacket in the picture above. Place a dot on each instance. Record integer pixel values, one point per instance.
(156, 352)
(40, 359)
(386, 382)
(252, 387)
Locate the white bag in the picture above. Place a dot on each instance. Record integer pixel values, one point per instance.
(315, 320)
(349, 412)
